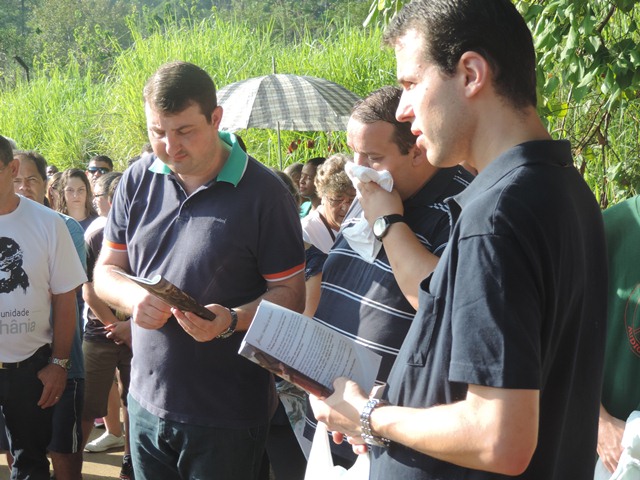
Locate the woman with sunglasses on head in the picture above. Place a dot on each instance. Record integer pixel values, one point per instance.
(76, 199)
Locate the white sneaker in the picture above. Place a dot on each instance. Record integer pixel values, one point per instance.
(105, 442)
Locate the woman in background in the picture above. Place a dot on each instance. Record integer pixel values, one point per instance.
(52, 197)
(76, 199)
(321, 226)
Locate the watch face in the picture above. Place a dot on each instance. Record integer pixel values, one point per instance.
(379, 227)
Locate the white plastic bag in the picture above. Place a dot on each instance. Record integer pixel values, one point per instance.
(629, 463)
(320, 464)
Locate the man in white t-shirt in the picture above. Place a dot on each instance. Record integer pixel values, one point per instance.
(39, 271)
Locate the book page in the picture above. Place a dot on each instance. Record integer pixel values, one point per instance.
(309, 348)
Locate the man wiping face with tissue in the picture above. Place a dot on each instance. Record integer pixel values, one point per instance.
(370, 279)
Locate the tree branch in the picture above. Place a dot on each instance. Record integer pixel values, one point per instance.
(606, 19)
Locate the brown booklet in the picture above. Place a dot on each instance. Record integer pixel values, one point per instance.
(166, 291)
(305, 352)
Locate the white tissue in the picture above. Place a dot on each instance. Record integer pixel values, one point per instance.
(360, 174)
(629, 463)
(357, 231)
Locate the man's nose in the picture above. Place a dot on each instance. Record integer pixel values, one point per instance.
(172, 144)
(360, 159)
(404, 112)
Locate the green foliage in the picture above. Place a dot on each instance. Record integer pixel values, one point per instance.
(588, 83)
(78, 32)
(88, 60)
(291, 20)
(71, 116)
(59, 115)
(13, 18)
(231, 52)
(382, 11)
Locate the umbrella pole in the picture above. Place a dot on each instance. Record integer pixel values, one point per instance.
(279, 145)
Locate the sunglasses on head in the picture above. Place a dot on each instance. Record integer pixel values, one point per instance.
(102, 170)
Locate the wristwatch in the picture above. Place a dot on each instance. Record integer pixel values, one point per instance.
(382, 224)
(232, 326)
(365, 424)
(61, 362)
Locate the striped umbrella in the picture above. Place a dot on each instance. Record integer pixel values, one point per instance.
(286, 102)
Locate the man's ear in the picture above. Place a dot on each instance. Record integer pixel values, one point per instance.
(14, 166)
(216, 117)
(417, 155)
(475, 71)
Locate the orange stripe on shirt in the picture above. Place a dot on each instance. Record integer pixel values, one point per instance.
(115, 246)
(274, 277)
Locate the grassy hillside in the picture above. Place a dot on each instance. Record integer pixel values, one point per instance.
(69, 117)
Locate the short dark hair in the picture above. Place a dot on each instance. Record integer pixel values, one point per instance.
(177, 85)
(315, 161)
(6, 151)
(381, 106)
(294, 168)
(103, 159)
(492, 28)
(37, 159)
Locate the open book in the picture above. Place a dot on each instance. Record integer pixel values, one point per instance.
(171, 295)
(305, 352)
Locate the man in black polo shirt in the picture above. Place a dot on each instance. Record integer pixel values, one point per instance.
(500, 373)
(225, 229)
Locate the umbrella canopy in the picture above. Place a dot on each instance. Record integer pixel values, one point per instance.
(286, 102)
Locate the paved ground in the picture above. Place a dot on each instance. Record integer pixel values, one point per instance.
(97, 466)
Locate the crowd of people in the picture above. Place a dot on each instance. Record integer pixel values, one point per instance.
(455, 239)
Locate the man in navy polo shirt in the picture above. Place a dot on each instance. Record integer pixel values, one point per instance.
(500, 373)
(223, 228)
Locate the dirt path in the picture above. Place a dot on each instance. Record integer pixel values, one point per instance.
(97, 466)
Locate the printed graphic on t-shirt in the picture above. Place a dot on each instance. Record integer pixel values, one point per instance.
(632, 320)
(12, 275)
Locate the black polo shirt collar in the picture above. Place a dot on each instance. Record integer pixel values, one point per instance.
(432, 191)
(549, 152)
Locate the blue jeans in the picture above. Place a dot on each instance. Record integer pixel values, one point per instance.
(28, 426)
(66, 436)
(165, 449)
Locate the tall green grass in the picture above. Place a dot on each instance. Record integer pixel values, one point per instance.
(69, 117)
(59, 115)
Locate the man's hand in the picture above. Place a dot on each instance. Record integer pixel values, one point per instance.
(54, 381)
(376, 201)
(341, 412)
(204, 330)
(119, 332)
(610, 431)
(150, 312)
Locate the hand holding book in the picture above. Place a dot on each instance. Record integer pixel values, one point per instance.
(305, 352)
(166, 291)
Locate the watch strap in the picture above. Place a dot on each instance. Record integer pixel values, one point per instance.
(394, 218)
(232, 326)
(388, 221)
(365, 424)
(61, 362)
